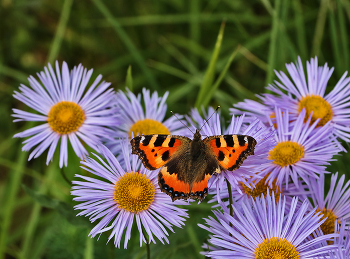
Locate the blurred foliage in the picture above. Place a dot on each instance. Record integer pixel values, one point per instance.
(168, 46)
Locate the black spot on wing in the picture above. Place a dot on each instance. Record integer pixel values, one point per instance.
(221, 156)
(229, 140)
(165, 155)
(146, 140)
(159, 141)
(241, 140)
(218, 142)
(171, 142)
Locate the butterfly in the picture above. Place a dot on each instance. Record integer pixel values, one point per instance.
(187, 165)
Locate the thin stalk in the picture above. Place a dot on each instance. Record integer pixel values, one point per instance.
(89, 248)
(229, 189)
(65, 177)
(147, 244)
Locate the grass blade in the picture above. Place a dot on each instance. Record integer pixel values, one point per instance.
(344, 37)
(300, 29)
(321, 20)
(273, 42)
(62, 24)
(128, 43)
(128, 80)
(15, 181)
(222, 75)
(194, 27)
(335, 42)
(209, 74)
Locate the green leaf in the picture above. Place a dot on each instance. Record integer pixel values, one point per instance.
(128, 80)
(66, 210)
(210, 72)
(222, 75)
(43, 199)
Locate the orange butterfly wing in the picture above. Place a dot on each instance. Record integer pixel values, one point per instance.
(231, 150)
(156, 150)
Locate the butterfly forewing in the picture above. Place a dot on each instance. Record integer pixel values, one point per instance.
(156, 150)
(231, 150)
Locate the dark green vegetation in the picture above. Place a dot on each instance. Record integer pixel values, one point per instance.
(170, 46)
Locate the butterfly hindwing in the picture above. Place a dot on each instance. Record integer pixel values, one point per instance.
(187, 173)
(231, 150)
(156, 150)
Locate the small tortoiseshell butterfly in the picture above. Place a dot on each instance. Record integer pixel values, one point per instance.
(189, 164)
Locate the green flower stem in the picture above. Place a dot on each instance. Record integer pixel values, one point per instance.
(229, 189)
(147, 244)
(65, 177)
(89, 247)
(14, 183)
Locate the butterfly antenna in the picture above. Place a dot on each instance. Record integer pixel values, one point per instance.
(181, 122)
(206, 121)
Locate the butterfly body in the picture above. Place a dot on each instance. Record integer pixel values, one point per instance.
(187, 165)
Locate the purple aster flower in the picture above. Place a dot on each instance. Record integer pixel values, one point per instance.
(335, 205)
(69, 108)
(121, 196)
(262, 228)
(246, 173)
(343, 241)
(302, 149)
(253, 109)
(135, 120)
(299, 93)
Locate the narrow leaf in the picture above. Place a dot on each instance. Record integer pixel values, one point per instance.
(209, 74)
(128, 80)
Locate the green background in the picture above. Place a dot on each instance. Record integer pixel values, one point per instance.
(170, 46)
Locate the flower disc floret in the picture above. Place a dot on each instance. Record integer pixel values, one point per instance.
(261, 188)
(65, 117)
(148, 127)
(276, 248)
(319, 108)
(327, 226)
(286, 153)
(134, 192)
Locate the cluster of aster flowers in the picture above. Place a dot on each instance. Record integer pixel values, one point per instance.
(273, 206)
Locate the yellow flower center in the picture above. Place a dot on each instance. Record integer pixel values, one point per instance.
(276, 248)
(148, 127)
(134, 192)
(65, 117)
(286, 153)
(328, 226)
(261, 188)
(319, 106)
